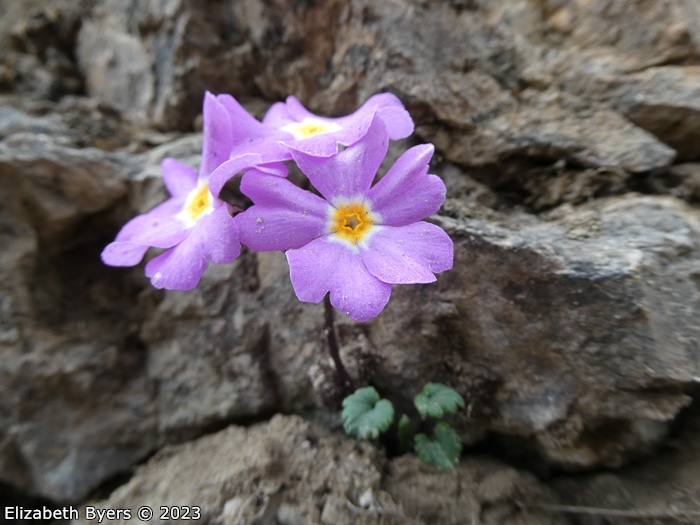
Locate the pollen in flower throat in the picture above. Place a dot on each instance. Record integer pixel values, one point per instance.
(199, 202)
(308, 128)
(352, 222)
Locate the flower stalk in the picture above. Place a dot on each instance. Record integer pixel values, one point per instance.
(345, 382)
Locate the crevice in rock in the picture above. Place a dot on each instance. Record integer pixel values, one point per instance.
(74, 285)
(12, 497)
(521, 452)
(105, 489)
(261, 354)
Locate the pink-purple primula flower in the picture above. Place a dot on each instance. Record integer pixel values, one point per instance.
(193, 225)
(357, 239)
(289, 127)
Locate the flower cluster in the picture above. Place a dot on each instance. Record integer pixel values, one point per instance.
(351, 239)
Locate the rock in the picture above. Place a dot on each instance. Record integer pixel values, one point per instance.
(58, 185)
(476, 491)
(689, 175)
(38, 40)
(660, 489)
(640, 35)
(290, 471)
(160, 58)
(476, 117)
(664, 101)
(286, 468)
(59, 364)
(588, 320)
(551, 126)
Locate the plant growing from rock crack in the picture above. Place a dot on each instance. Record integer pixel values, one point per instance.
(346, 243)
(365, 416)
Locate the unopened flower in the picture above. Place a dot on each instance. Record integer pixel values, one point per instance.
(358, 239)
(288, 127)
(193, 225)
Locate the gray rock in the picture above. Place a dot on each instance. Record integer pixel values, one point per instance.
(289, 471)
(587, 320)
(286, 468)
(70, 415)
(551, 126)
(157, 59)
(664, 101)
(660, 489)
(478, 490)
(641, 35)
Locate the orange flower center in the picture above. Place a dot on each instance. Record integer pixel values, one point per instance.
(352, 222)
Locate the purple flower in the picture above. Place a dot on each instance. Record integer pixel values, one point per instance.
(193, 225)
(290, 127)
(357, 240)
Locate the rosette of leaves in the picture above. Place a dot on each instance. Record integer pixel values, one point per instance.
(437, 400)
(365, 415)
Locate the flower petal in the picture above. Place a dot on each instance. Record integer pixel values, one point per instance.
(407, 193)
(179, 178)
(270, 148)
(180, 268)
(385, 106)
(322, 145)
(352, 129)
(389, 108)
(235, 165)
(243, 125)
(283, 217)
(158, 228)
(123, 253)
(279, 114)
(350, 172)
(218, 135)
(324, 266)
(217, 234)
(408, 254)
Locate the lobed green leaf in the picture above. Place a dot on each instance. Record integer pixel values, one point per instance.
(437, 399)
(441, 452)
(365, 415)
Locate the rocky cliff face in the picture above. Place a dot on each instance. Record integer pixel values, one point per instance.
(567, 133)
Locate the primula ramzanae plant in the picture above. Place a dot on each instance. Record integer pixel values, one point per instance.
(351, 239)
(366, 415)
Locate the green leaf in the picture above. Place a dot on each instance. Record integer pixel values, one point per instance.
(365, 415)
(437, 399)
(441, 452)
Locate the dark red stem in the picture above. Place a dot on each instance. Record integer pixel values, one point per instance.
(346, 384)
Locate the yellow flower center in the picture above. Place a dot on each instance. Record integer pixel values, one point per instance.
(199, 202)
(309, 128)
(352, 222)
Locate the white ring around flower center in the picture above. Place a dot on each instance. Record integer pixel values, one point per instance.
(199, 203)
(310, 127)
